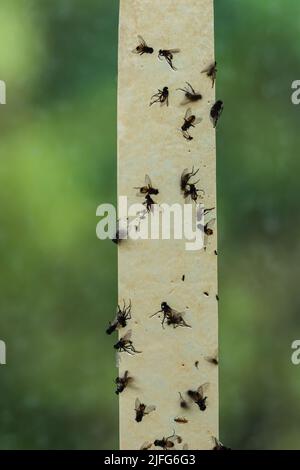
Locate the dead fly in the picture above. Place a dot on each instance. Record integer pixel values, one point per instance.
(181, 420)
(186, 176)
(189, 189)
(148, 203)
(208, 228)
(148, 188)
(161, 97)
(211, 72)
(171, 316)
(142, 410)
(123, 382)
(198, 396)
(216, 112)
(146, 446)
(125, 344)
(190, 120)
(191, 96)
(214, 360)
(168, 54)
(168, 442)
(218, 445)
(120, 321)
(142, 48)
(183, 403)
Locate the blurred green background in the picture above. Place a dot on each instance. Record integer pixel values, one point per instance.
(58, 283)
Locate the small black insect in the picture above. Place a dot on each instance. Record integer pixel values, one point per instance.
(216, 253)
(125, 344)
(183, 403)
(148, 203)
(213, 359)
(211, 72)
(217, 297)
(183, 278)
(142, 48)
(142, 410)
(171, 316)
(198, 396)
(218, 445)
(208, 228)
(186, 176)
(168, 442)
(190, 120)
(189, 189)
(123, 382)
(147, 189)
(191, 96)
(181, 420)
(168, 54)
(161, 97)
(216, 111)
(120, 321)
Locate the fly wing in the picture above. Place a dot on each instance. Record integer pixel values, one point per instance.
(211, 224)
(137, 404)
(142, 40)
(146, 446)
(202, 389)
(127, 336)
(188, 113)
(209, 68)
(185, 176)
(148, 181)
(149, 409)
(197, 121)
(174, 51)
(142, 43)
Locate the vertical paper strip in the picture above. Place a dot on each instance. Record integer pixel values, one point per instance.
(150, 142)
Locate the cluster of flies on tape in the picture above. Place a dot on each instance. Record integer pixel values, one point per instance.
(190, 95)
(190, 192)
(196, 397)
(188, 187)
(170, 316)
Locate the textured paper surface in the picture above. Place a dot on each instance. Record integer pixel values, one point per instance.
(150, 272)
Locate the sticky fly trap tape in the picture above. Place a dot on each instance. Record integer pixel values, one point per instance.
(153, 140)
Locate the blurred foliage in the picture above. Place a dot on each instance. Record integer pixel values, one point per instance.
(258, 179)
(58, 282)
